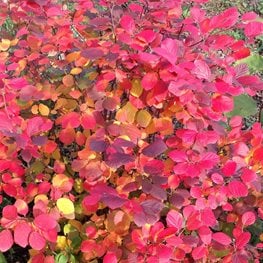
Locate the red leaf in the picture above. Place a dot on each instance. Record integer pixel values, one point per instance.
(71, 120)
(6, 240)
(36, 241)
(229, 168)
(222, 238)
(174, 219)
(169, 50)
(226, 19)
(88, 121)
(149, 80)
(21, 234)
(242, 240)
(222, 104)
(10, 212)
(45, 222)
(248, 175)
(67, 136)
(248, 218)
(155, 149)
(91, 202)
(199, 252)
(237, 189)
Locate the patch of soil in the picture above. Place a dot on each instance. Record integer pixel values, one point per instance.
(17, 254)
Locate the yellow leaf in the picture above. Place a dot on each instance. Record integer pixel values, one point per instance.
(66, 207)
(61, 242)
(76, 71)
(126, 113)
(43, 109)
(136, 89)
(143, 118)
(5, 44)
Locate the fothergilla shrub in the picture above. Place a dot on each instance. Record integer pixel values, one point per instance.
(122, 132)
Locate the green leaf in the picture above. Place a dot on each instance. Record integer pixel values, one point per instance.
(243, 106)
(220, 253)
(2, 258)
(61, 258)
(254, 63)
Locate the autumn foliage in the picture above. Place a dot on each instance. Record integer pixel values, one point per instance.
(115, 139)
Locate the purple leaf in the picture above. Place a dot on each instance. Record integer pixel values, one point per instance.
(115, 160)
(154, 149)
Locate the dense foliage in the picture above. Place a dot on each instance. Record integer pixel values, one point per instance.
(121, 132)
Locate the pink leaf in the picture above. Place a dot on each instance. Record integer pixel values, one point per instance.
(178, 156)
(21, 234)
(208, 217)
(36, 241)
(174, 219)
(110, 258)
(168, 50)
(176, 87)
(199, 252)
(202, 70)
(222, 238)
(54, 11)
(146, 35)
(45, 222)
(127, 23)
(237, 189)
(6, 240)
(208, 160)
(253, 29)
(22, 207)
(248, 218)
(205, 234)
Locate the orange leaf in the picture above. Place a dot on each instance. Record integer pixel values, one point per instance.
(73, 56)
(68, 80)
